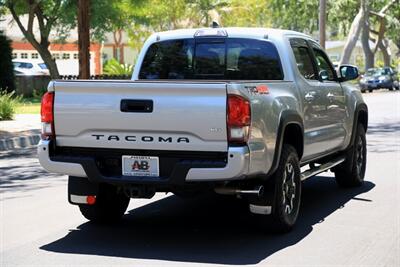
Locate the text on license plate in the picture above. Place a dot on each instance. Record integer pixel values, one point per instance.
(140, 166)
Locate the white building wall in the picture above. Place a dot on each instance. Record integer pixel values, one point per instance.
(67, 61)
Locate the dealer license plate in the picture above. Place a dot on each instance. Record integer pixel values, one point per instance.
(140, 166)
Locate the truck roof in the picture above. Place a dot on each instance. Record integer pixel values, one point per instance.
(236, 32)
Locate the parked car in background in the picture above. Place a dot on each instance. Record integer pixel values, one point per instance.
(378, 78)
(30, 67)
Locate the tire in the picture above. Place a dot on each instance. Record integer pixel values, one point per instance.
(109, 207)
(370, 90)
(351, 172)
(287, 192)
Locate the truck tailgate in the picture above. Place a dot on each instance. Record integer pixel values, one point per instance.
(141, 115)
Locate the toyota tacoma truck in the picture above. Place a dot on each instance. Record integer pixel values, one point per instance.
(248, 112)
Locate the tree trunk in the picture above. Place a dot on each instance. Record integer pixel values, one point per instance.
(353, 35)
(43, 46)
(397, 43)
(368, 53)
(83, 39)
(49, 61)
(385, 48)
(322, 22)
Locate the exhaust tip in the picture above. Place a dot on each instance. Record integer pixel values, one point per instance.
(258, 191)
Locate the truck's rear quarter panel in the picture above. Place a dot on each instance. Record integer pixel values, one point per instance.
(266, 110)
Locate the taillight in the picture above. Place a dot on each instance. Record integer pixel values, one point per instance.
(47, 116)
(238, 119)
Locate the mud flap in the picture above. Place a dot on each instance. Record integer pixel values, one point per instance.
(81, 187)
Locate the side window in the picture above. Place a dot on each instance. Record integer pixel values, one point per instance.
(303, 58)
(324, 66)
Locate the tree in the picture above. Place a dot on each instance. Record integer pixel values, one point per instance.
(6, 65)
(369, 25)
(322, 22)
(46, 13)
(84, 38)
(393, 20)
(354, 33)
(202, 10)
(60, 16)
(375, 23)
(295, 15)
(250, 13)
(152, 16)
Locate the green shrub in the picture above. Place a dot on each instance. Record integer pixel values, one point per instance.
(8, 105)
(113, 67)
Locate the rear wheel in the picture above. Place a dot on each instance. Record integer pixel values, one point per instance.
(286, 184)
(370, 90)
(351, 172)
(109, 207)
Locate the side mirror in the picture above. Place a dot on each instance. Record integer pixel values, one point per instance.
(348, 72)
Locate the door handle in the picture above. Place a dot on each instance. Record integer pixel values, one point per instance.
(139, 106)
(330, 96)
(310, 96)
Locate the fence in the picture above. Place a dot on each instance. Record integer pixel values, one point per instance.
(26, 85)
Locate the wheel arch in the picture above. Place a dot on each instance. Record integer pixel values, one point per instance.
(290, 131)
(360, 116)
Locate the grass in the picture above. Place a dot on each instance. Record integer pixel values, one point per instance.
(28, 106)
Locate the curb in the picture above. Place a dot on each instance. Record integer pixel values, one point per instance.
(19, 142)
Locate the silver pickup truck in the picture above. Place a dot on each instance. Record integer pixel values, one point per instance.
(249, 112)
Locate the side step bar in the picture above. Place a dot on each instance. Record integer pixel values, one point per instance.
(323, 167)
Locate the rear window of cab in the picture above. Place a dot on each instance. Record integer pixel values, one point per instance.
(212, 58)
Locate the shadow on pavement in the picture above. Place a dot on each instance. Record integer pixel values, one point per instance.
(383, 137)
(20, 171)
(204, 230)
(383, 128)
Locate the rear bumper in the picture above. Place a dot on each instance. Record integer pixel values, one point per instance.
(67, 168)
(234, 167)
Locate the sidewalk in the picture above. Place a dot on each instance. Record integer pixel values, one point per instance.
(22, 132)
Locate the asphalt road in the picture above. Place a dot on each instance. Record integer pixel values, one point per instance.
(341, 227)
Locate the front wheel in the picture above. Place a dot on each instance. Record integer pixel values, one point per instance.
(110, 205)
(351, 172)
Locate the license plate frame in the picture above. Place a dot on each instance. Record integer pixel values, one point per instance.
(143, 166)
